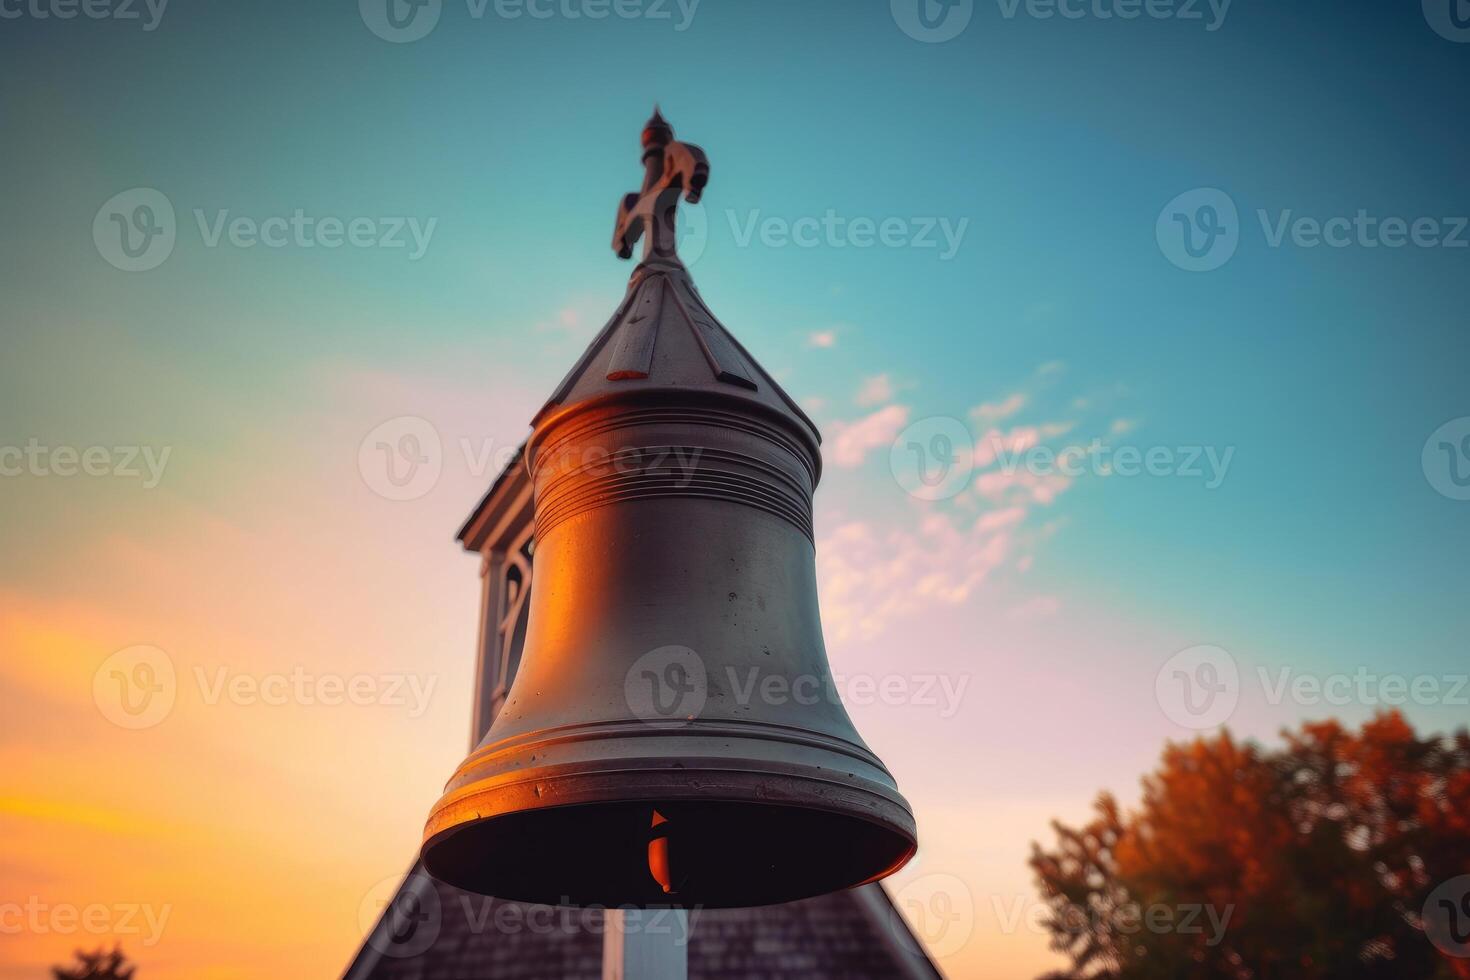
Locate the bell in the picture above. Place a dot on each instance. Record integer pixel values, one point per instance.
(672, 736)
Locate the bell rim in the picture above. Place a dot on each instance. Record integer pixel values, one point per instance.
(886, 810)
(692, 781)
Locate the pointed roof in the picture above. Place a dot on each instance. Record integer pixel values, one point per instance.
(446, 934)
(665, 343)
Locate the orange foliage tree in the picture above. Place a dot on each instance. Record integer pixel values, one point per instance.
(1326, 858)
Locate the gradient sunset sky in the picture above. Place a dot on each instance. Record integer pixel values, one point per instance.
(251, 839)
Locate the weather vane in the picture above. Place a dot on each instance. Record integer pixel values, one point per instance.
(670, 168)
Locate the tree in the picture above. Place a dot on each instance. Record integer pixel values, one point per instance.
(1309, 862)
(100, 965)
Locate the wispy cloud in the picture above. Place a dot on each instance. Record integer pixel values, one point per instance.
(876, 390)
(1122, 427)
(852, 441)
(992, 412)
(871, 576)
(822, 338)
(1021, 486)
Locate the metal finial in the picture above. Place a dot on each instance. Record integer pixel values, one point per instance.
(657, 131)
(670, 168)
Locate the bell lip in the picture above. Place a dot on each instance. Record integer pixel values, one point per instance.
(890, 813)
(695, 780)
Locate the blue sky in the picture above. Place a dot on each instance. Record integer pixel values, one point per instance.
(1053, 142)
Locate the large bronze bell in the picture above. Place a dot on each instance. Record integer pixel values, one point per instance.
(671, 736)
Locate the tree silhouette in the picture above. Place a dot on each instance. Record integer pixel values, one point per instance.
(101, 965)
(1310, 862)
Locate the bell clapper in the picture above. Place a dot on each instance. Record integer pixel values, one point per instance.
(658, 853)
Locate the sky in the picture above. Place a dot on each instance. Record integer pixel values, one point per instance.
(1136, 335)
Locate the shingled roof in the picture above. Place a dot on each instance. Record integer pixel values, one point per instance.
(434, 932)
